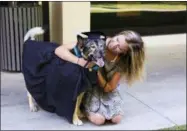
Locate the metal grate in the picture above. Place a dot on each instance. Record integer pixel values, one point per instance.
(14, 23)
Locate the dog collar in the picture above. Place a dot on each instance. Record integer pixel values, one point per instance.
(95, 67)
(77, 52)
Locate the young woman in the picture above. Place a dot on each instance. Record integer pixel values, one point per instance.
(124, 58)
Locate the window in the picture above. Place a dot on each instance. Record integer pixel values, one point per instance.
(145, 17)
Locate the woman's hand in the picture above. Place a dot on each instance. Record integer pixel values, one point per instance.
(90, 64)
(82, 62)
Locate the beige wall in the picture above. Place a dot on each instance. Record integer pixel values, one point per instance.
(67, 19)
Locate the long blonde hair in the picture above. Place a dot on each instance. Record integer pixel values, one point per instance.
(132, 62)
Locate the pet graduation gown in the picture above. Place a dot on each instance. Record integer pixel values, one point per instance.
(53, 82)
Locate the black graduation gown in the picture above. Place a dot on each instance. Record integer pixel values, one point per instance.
(53, 82)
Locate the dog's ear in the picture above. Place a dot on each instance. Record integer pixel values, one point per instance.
(81, 39)
(80, 42)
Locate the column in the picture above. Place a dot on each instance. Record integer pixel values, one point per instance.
(67, 19)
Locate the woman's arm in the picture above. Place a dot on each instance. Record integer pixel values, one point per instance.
(112, 84)
(63, 51)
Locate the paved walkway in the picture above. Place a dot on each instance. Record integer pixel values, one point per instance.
(157, 103)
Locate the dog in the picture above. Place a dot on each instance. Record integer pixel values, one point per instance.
(90, 46)
(93, 50)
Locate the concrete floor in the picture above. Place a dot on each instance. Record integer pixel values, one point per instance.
(158, 102)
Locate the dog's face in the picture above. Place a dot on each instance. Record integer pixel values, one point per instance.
(93, 50)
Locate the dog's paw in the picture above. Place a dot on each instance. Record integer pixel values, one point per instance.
(77, 122)
(34, 108)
